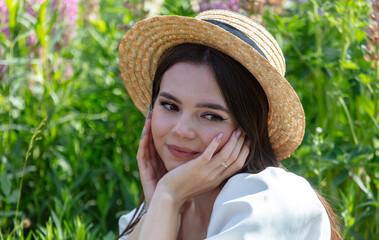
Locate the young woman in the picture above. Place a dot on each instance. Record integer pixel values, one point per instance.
(220, 115)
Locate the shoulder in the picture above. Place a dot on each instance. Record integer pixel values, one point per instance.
(272, 204)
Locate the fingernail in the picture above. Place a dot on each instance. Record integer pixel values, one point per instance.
(219, 136)
(143, 133)
(148, 113)
(237, 133)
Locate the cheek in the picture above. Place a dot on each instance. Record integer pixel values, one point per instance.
(224, 140)
(208, 134)
(157, 126)
(160, 127)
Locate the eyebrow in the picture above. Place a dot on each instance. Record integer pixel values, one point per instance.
(199, 105)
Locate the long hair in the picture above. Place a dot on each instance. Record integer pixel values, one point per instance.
(244, 97)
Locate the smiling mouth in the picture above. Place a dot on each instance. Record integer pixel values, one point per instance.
(181, 152)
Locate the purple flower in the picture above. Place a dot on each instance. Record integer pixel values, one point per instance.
(233, 5)
(223, 6)
(320, 11)
(215, 5)
(218, 4)
(301, 1)
(3, 70)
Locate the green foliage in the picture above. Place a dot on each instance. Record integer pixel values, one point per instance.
(69, 132)
(324, 45)
(174, 7)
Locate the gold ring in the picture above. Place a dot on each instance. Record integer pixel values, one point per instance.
(224, 164)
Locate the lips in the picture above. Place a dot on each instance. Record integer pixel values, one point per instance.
(182, 152)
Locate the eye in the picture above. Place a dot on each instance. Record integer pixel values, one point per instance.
(169, 106)
(213, 117)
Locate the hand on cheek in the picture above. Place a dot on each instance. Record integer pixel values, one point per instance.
(208, 170)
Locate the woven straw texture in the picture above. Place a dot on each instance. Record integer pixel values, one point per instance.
(148, 40)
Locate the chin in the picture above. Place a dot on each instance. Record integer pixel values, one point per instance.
(172, 164)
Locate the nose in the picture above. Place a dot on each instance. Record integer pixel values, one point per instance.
(184, 127)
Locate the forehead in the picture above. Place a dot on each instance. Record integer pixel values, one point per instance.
(194, 81)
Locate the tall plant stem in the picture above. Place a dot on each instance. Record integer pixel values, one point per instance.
(375, 92)
(10, 93)
(28, 153)
(346, 45)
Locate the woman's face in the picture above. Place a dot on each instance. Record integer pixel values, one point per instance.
(188, 113)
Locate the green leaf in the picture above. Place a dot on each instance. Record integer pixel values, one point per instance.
(100, 25)
(362, 186)
(13, 9)
(81, 231)
(360, 35)
(12, 198)
(367, 105)
(6, 184)
(342, 176)
(348, 64)
(52, 21)
(11, 61)
(365, 79)
(40, 28)
(4, 40)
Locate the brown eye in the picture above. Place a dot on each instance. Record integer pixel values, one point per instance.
(169, 106)
(213, 117)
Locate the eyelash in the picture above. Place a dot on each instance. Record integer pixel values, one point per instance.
(213, 117)
(168, 106)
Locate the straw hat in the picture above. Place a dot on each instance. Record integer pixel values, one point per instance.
(231, 33)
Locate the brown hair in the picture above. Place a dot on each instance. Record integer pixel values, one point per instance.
(245, 99)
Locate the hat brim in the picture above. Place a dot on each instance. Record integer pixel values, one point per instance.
(148, 40)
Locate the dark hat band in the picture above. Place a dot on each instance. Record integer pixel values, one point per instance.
(236, 33)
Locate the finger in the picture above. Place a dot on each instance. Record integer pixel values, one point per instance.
(227, 149)
(145, 127)
(155, 159)
(210, 150)
(151, 144)
(143, 149)
(236, 151)
(239, 162)
(148, 114)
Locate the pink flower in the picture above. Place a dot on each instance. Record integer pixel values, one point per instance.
(4, 15)
(68, 14)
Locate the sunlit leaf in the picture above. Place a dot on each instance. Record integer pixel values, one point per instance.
(365, 79)
(100, 25)
(360, 35)
(348, 64)
(367, 105)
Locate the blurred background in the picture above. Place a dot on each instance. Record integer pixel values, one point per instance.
(69, 132)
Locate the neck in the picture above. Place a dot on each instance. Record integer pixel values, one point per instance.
(204, 202)
(196, 214)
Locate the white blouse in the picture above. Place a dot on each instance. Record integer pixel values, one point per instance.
(272, 204)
